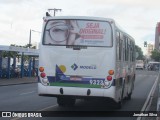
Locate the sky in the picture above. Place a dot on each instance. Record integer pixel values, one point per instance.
(137, 17)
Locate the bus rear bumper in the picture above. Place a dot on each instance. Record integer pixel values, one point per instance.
(76, 92)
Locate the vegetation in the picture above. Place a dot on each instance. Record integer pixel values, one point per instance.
(13, 54)
(140, 53)
(155, 55)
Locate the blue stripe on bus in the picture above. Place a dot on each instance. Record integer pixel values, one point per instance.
(52, 79)
(83, 81)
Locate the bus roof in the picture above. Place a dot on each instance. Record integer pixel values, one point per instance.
(80, 18)
(152, 62)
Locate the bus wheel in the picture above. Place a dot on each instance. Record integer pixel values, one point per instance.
(65, 101)
(71, 102)
(60, 101)
(128, 96)
(119, 105)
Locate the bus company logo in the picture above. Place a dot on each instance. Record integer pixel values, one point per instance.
(74, 66)
(88, 67)
(84, 67)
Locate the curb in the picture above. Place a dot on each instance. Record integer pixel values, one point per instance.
(158, 103)
(148, 101)
(18, 83)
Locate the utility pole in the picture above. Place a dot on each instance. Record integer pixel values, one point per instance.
(55, 10)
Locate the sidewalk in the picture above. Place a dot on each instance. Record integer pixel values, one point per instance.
(15, 81)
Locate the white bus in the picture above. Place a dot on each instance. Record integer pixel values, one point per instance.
(85, 57)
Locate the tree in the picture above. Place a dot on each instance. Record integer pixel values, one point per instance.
(155, 55)
(13, 54)
(140, 53)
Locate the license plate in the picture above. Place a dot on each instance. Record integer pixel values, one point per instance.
(75, 78)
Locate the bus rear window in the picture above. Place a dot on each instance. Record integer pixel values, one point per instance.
(78, 32)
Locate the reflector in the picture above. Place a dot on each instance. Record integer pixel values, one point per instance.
(111, 72)
(43, 75)
(41, 69)
(109, 78)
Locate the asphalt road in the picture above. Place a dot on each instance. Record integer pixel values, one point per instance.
(24, 98)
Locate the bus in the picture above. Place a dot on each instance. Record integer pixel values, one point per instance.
(85, 58)
(153, 66)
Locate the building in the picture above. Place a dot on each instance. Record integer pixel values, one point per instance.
(157, 36)
(150, 48)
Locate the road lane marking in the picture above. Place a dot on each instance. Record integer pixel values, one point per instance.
(27, 93)
(18, 118)
(48, 107)
(149, 98)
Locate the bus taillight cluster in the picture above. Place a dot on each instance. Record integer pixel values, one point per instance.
(109, 77)
(41, 69)
(43, 79)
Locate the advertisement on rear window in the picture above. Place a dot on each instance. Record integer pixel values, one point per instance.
(77, 32)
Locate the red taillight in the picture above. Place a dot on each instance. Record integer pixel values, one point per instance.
(43, 75)
(109, 78)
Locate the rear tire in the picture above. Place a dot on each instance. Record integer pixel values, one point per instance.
(119, 105)
(66, 101)
(129, 96)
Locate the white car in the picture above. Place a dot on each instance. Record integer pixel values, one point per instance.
(140, 66)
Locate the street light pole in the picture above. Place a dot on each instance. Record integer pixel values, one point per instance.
(30, 36)
(29, 39)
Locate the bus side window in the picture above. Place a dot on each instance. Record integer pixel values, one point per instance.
(134, 58)
(126, 48)
(132, 52)
(118, 48)
(121, 47)
(131, 55)
(129, 50)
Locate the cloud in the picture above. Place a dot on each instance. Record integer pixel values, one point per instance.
(138, 21)
(137, 17)
(10, 1)
(149, 38)
(129, 3)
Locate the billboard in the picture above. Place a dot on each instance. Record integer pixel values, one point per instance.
(78, 32)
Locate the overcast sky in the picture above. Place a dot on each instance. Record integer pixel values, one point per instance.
(137, 17)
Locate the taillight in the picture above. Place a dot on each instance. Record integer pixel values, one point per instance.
(109, 78)
(43, 75)
(41, 69)
(111, 72)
